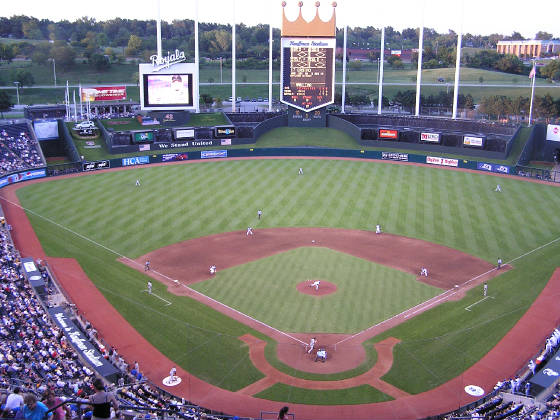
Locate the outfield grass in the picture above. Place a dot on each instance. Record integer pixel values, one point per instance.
(178, 202)
(366, 294)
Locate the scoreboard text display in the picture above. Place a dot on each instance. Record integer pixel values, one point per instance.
(307, 72)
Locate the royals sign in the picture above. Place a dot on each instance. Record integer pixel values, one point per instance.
(160, 63)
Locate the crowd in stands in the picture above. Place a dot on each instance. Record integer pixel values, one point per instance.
(513, 398)
(18, 151)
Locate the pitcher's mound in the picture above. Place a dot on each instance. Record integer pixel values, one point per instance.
(325, 287)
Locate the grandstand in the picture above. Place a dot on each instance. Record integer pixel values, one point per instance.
(18, 149)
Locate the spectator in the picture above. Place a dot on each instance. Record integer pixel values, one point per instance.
(101, 401)
(33, 409)
(14, 400)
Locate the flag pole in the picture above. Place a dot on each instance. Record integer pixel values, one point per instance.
(532, 76)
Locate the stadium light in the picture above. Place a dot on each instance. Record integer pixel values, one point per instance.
(17, 91)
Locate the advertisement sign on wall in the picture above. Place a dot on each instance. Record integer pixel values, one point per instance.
(104, 93)
(97, 165)
(137, 160)
(22, 176)
(430, 137)
(81, 344)
(184, 133)
(221, 132)
(553, 132)
(174, 157)
(403, 157)
(491, 167)
(211, 154)
(388, 134)
(433, 160)
(473, 141)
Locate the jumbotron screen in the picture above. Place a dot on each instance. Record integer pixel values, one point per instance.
(168, 87)
(307, 72)
(162, 90)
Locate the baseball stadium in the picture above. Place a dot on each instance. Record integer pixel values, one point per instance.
(320, 264)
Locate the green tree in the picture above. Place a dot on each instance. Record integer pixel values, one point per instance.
(24, 77)
(41, 53)
(100, 62)
(6, 52)
(31, 29)
(551, 70)
(5, 103)
(64, 56)
(541, 35)
(134, 46)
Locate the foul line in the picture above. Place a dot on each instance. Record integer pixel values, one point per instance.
(159, 297)
(421, 307)
(196, 292)
(154, 271)
(477, 302)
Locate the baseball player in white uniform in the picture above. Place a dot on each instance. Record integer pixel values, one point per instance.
(378, 229)
(150, 287)
(137, 182)
(172, 373)
(300, 171)
(485, 289)
(315, 284)
(312, 343)
(212, 269)
(259, 213)
(424, 272)
(249, 231)
(498, 188)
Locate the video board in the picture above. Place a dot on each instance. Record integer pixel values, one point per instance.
(167, 89)
(307, 72)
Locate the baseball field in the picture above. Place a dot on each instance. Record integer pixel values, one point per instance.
(185, 217)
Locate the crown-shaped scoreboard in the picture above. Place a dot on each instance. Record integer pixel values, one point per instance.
(308, 59)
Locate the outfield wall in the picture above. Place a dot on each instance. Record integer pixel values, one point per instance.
(436, 161)
(496, 142)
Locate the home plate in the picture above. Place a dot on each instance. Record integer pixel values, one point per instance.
(168, 381)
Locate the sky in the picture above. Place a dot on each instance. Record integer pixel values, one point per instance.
(480, 17)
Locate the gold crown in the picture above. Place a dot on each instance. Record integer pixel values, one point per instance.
(317, 27)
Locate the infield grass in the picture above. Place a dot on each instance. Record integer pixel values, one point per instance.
(367, 293)
(178, 202)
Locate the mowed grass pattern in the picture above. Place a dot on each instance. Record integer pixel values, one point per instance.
(179, 202)
(366, 294)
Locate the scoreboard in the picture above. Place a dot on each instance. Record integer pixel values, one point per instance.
(307, 72)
